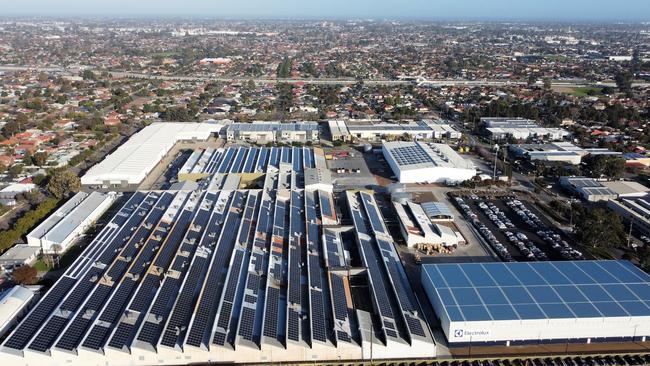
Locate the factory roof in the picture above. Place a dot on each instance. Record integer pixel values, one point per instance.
(540, 290)
(12, 302)
(389, 127)
(18, 254)
(437, 210)
(71, 220)
(420, 155)
(273, 126)
(134, 159)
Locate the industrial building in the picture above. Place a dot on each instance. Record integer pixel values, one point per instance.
(369, 130)
(402, 324)
(8, 194)
(417, 228)
(17, 256)
(264, 132)
(539, 302)
(499, 128)
(588, 189)
(247, 167)
(635, 210)
(14, 302)
(564, 152)
(438, 211)
(128, 166)
(414, 162)
(229, 275)
(62, 228)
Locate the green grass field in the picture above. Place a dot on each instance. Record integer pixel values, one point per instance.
(587, 92)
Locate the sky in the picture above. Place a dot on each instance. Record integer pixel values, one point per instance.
(543, 10)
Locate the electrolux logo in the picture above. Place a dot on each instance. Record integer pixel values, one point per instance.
(460, 333)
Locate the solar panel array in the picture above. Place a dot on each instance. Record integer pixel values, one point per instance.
(540, 290)
(210, 269)
(243, 159)
(393, 297)
(411, 155)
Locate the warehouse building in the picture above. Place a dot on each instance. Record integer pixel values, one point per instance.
(247, 167)
(8, 194)
(264, 132)
(539, 302)
(438, 211)
(417, 228)
(129, 165)
(14, 303)
(499, 128)
(414, 162)
(635, 210)
(17, 256)
(61, 229)
(564, 152)
(369, 130)
(228, 276)
(588, 189)
(338, 130)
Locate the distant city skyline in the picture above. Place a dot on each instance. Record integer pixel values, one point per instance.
(549, 10)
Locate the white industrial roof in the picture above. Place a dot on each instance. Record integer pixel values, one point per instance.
(18, 254)
(420, 155)
(624, 188)
(12, 302)
(72, 220)
(58, 215)
(132, 161)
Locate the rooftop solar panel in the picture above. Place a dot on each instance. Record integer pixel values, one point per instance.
(540, 290)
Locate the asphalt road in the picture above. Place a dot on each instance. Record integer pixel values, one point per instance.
(322, 81)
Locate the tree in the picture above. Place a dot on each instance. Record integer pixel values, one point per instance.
(284, 68)
(597, 166)
(643, 254)
(88, 75)
(25, 275)
(40, 158)
(10, 129)
(15, 170)
(63, 183)
(547, 84)
(599, 228)
(624, 82)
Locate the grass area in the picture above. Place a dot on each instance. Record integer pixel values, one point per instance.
(65, 260)
(587, 91)
(42, 266)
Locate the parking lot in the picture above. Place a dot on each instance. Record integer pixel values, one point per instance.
(516, 230)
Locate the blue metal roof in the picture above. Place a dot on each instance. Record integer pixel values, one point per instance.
(540, 290)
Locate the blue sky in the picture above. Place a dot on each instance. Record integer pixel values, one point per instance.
(585, 10)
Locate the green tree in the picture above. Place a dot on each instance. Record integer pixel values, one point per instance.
(89, 75)
(284, 68)
(598, 166)
(15, 170)
(63, 183)
(624, 82)
(599, 228)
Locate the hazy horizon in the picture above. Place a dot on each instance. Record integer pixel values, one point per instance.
(507, 10)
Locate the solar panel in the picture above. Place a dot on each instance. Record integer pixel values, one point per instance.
(540, 290)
